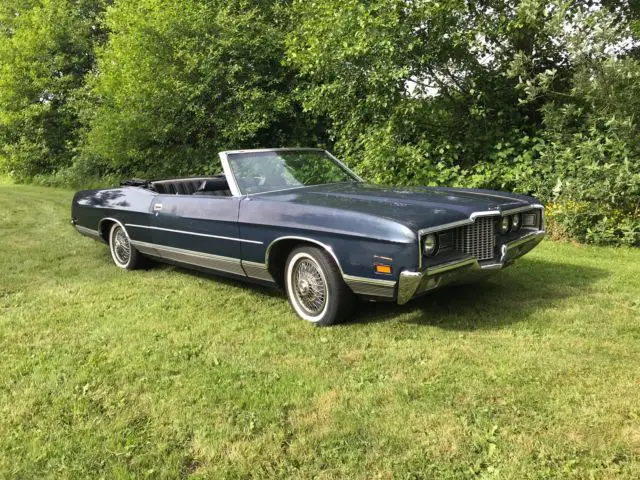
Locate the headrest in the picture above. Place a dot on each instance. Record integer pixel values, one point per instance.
(213, 184)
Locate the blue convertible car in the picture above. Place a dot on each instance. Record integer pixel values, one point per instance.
(300, 219)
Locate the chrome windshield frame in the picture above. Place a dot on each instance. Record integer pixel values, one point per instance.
(234, 187)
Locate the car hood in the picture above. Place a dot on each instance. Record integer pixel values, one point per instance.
(415, 207)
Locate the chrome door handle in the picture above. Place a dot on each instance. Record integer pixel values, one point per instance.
(157, 207)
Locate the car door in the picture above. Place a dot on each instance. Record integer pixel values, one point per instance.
(198, 230)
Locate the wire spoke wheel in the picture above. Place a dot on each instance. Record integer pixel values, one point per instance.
(123, 252)
(120, 246)
(315, 287)
(309, 286)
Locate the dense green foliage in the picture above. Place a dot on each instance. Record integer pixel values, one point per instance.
(179, 81)
(532, 96)
(46, 50)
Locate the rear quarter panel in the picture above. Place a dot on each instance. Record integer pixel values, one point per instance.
(127, 205)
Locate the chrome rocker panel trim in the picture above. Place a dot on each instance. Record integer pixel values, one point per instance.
(371, 287)
(412, 284)
(219, 263)
(257, 270)
(190, 257)
(87, 232)
(359, 285)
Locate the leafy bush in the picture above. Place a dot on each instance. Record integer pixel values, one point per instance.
(596, 194)
(588, 162)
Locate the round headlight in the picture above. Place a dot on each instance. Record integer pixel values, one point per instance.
(515, 222)
(504, 225)
(430, 244)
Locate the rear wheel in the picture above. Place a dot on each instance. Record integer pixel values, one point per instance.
(315, 287)
(124, 254)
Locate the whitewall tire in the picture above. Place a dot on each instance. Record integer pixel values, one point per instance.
(124, 254)
(315, 287)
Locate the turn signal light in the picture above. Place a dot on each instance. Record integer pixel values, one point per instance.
(383, 269)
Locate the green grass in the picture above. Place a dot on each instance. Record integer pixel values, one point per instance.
(166, 373)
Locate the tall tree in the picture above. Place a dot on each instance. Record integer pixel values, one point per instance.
(418, 90)
(46, 51)
(179, 81)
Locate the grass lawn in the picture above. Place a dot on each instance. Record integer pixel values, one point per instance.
(167, 374)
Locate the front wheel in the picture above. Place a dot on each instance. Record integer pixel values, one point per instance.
(124, 254)
(315, 287)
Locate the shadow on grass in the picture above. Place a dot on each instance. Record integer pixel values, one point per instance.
(510, 296)
(241, 283)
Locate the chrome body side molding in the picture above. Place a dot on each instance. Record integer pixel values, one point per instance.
(255, 270)
(148, 227)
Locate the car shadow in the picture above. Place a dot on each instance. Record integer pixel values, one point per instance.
(510, 296)
(243, 283)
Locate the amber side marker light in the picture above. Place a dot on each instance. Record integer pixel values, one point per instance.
(383, 269)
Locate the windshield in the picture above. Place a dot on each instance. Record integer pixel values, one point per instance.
(258, 172)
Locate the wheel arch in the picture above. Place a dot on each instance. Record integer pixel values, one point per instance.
(104, 226)
(280, 248)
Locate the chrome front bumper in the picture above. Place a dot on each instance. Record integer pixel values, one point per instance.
(413, 284)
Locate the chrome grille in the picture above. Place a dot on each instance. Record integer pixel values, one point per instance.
(478, 239)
